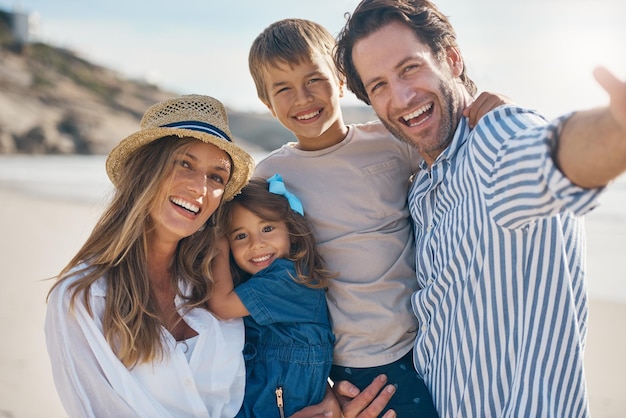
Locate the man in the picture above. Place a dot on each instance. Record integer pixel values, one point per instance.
(497, 212)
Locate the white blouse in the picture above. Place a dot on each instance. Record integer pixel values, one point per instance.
(92, 382)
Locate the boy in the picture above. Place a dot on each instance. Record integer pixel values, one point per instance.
(353, 180)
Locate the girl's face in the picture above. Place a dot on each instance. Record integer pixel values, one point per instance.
(254, 242)
(192, 192)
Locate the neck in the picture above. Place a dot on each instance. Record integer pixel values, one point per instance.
(335, 133)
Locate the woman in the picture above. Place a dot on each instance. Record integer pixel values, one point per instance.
(127, 328)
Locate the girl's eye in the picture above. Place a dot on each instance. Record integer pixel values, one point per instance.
(268, 228)
(238, 237)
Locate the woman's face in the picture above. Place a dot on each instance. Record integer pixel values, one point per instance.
(192, 192)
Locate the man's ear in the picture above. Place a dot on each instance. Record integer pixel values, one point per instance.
(454, 60)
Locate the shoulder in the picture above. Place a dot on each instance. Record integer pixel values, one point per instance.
(512, 118)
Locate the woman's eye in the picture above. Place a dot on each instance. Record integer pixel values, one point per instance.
(217, 178)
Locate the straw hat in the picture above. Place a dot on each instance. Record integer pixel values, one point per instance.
(195, 116)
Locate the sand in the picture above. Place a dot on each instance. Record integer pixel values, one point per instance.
(38, 236)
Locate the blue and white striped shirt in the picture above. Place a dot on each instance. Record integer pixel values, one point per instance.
(501, 266)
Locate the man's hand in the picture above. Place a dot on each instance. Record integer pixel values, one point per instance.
(616, 89)
(366, 404)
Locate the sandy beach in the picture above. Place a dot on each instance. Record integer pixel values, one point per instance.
(39, 235)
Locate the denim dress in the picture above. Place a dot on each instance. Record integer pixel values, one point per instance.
(289, 343)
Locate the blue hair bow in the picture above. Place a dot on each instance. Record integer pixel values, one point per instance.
(278, 187)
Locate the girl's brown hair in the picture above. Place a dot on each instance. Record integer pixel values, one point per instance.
(256, 197)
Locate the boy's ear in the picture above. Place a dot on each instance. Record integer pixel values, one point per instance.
(270, 108)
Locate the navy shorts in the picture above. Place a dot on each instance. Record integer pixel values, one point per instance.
(411, 399)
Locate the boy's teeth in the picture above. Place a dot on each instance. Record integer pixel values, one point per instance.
(308, 116)
(184, 204)
(417, 112)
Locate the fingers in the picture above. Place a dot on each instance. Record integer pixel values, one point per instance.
(329, 407)
(607, 80)
(616, 89)
(368, 403)
(484, 104)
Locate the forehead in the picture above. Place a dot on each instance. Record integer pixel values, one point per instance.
(386, 47)
(209, 154)
(287, 70)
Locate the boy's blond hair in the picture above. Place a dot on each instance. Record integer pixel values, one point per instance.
(291, 42)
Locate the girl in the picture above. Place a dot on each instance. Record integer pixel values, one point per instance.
(281, 295)
(126, 326)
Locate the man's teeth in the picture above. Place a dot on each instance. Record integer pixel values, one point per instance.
(186, 205)
(309, 115)
(417, 112)
(262, 259)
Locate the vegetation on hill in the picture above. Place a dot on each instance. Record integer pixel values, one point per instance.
(54, 101)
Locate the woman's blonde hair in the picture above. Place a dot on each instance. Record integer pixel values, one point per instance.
(117, 251)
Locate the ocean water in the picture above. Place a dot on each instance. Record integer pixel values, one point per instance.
(83, 179)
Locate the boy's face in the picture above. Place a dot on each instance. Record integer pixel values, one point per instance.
(305, 99)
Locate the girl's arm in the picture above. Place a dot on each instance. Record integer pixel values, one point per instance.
(224, 302)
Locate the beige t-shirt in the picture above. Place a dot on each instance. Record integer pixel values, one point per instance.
(355, 196)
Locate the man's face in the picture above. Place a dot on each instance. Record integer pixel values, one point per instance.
(418, 98)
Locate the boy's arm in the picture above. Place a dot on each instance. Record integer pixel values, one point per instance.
(482, 105)
(224, 302)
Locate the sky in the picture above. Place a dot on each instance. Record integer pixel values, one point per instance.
(540, 53)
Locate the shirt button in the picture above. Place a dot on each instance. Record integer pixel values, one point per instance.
(424, 328)
(188, 382)
(429, 281)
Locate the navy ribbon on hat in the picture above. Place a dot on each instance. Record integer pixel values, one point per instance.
(195, 125)
(277, 186)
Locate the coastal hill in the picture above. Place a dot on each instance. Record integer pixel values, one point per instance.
(52, 101)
